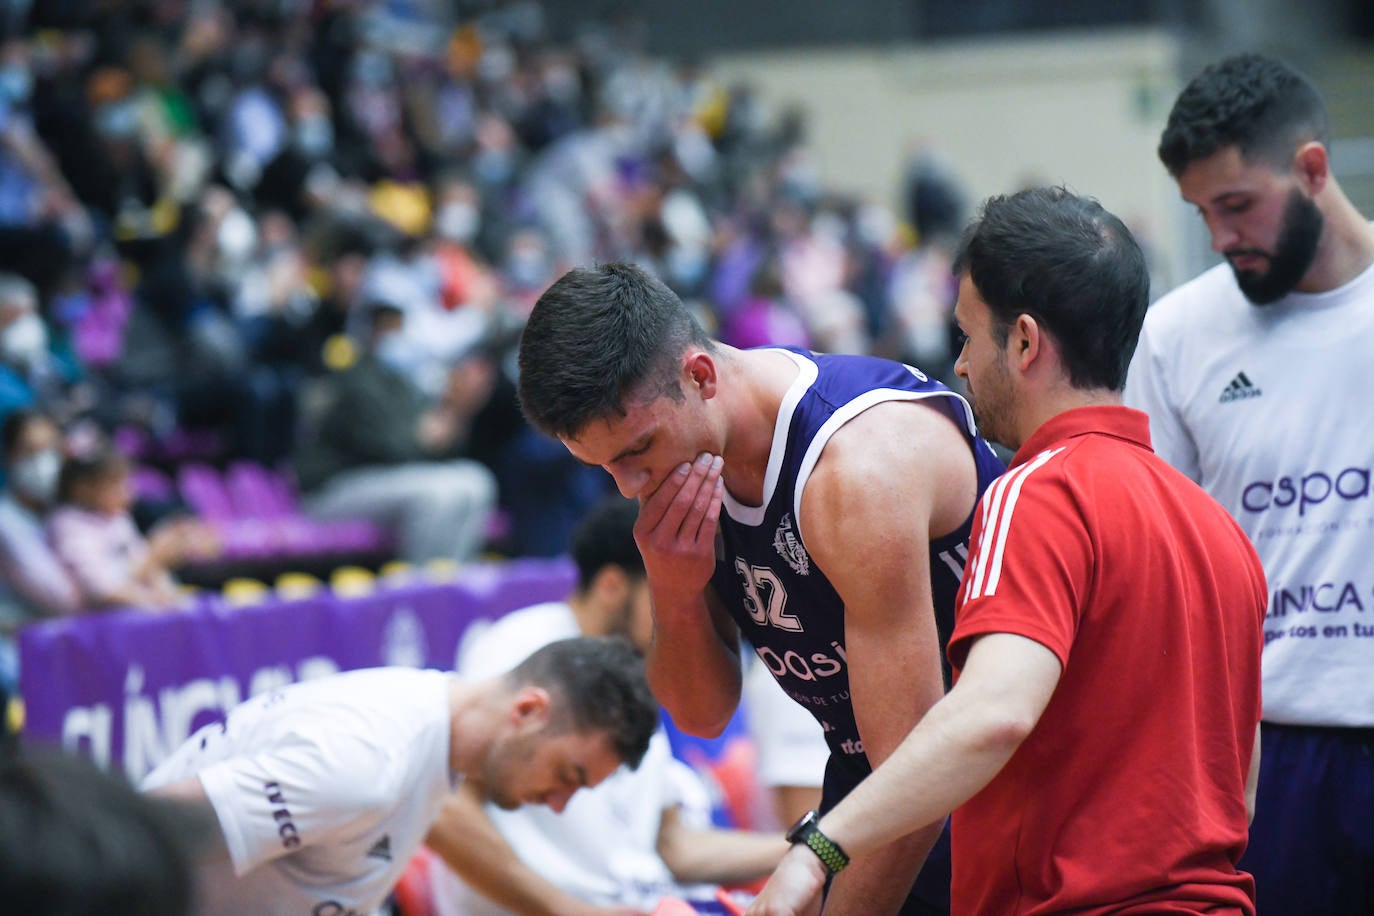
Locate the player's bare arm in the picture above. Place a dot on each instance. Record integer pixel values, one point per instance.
(693, 660)
(713, 855)
(191, 793)
(956, 750)
(888, 481)
(469, 843)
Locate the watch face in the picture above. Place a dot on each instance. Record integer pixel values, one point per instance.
(798, 830)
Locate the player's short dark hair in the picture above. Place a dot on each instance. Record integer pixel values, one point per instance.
(596, 337)
(599, 682)
(1069, 263)
(605, 537)
(77, 841)
(1255, 103)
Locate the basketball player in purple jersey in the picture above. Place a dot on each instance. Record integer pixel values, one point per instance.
(819, 506)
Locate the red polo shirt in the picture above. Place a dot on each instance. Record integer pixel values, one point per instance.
(1128, 796)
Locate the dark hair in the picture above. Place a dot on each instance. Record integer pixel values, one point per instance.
(13, 429)
(1070, 264)
(76, 841)
(605, 537)
(1256, 103)
(97, 464)
(599, 683)
(597, 336)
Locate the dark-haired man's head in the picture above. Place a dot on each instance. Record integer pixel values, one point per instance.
(613, 595)
(615, 366)
(1063, 264)
(1245, 140)
(577, 709)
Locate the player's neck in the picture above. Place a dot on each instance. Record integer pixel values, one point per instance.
(1059, 399)
(471, 725)
(1346, 250)
(758, 381)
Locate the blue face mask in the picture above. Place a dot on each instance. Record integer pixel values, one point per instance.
(15, 84)
(396, 353)
(315, 137)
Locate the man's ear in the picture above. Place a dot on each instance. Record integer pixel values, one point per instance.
(1312, 166)
(700, 371)
(1026, 340)
(529, 711)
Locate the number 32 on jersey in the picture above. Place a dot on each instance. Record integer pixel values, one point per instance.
(765, 598)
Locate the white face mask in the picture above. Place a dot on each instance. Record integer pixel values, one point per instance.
(457, 222)
(35, 477)
(24, 341)
(236, 237)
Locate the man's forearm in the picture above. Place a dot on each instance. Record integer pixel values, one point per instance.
(717, 856)
(469, 843)
(691, 670)
(956, 750)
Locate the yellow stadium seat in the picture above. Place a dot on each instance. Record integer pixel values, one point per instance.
(441, 569)
(14, 716)
(352, 581)
(242, 592)
(293, 585)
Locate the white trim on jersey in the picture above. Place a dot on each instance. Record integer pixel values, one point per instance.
(956, 566)
(807, 373)
(842, 415)
(999, 504)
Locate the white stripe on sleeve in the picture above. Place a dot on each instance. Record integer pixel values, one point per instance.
(992, 541)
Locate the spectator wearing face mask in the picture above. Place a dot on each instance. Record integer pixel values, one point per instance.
(33, 582)
(383, 450)
(36, 584)
(27, 369)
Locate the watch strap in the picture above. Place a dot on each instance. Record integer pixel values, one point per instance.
(808, 832)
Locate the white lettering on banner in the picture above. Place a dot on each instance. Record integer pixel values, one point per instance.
(89, 727)
(403, 640)
(143, 740)
(152, 729)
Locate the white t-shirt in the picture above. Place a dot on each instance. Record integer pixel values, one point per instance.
(602, 848)
(790, 742)
(323, 789)
(1269, 409)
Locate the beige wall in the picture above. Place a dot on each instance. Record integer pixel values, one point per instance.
(1082, 109)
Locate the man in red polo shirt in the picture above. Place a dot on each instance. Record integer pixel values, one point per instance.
(1099, 747)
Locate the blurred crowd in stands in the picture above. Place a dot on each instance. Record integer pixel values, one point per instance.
(263, 265)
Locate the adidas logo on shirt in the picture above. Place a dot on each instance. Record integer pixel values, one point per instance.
(1240, 388)
(381, 849)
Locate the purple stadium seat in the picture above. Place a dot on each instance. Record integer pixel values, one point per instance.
(204, 491)
(256, 493)
(150, 483)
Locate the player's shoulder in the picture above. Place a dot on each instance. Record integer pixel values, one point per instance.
(898, 439)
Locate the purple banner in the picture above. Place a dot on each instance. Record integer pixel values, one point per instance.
(126, 688)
